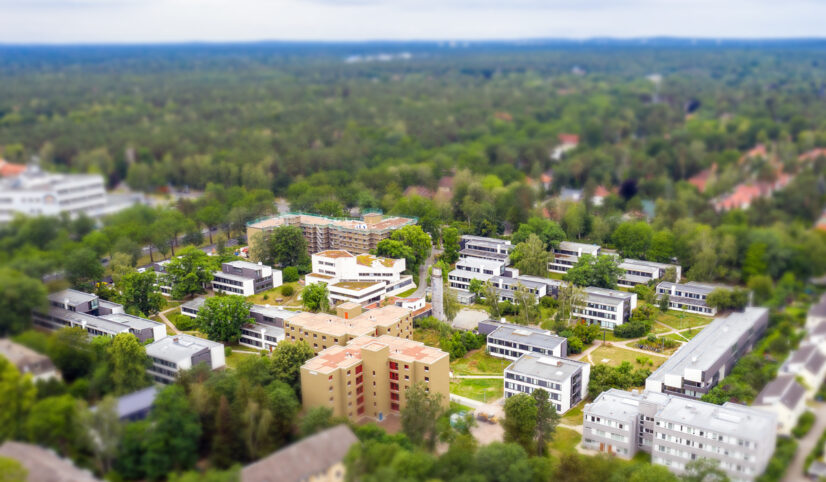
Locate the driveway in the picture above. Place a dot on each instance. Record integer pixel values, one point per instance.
(804, 446)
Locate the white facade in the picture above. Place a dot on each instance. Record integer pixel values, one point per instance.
(807, 362)
(245, 278)
(565, 380)
(690, 297)
(468, 269)
(784, 397)
(37, 193)
(261, 336)
(637, 272)
(604, 307)
(567, 254)
(360, 278)
(510, 342)
(174, 354)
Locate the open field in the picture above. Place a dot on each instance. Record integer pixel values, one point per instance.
(482, 389)
(614, 356)
(679, 320)
(573, 416)
(428, 337)
(270, 297)
(479, 362)
(565, 441)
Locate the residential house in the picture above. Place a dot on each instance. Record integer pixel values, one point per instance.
(565, 380)
(566, 143)
(511, 341)
(604, 307)
(807, 362)
(690, 297)
(28, 361)
(637, 272)
(174, 354)
(784, 397)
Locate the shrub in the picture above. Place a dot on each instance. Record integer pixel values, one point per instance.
(287, 290)
(633, 329)
(783, 454)
(227, 351)
(290, 274)
(183, 322)
(548, 302)
(804, 424)
(575, 345)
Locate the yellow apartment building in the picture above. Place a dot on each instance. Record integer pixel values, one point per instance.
(369, 376)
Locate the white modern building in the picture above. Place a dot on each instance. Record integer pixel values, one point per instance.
(690, 297)
(38, 193)
(359, 278)
(565, 380)
(637, 272)
(485, 248)
(468, 269)
(784, 397)
(245, 278)
(604, 307)
(177, 353)
(511, 341)
(567, 254)
(193, 306)
(697, 366)
(677, 431)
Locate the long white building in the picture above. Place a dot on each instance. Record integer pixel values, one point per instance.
(567, 254)
(638, 272)
(359, 278)
(38, 193)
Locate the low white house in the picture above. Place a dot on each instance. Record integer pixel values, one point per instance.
(784, 397)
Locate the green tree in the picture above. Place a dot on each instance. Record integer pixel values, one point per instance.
(704, 470)
(390, 248)
(19, 295)
(548, 231)
(530, 257)
(316, 297)
(189, 272)
(17, 396)
(71, 352)
(289, 248)
(420, 414)
(600, 271)
(105, 430)
(492, 300)
(755, 262)
(284, 405)
(520, 421)
(546, 420)
(130, 456)
(210, 216)
(172, 440)
(450, 245)
(450, 303)
(259, 249)
(83, 269)
(762, 287)
(54, 422)
(317, 419)
(287, 359)
(128, 361)
(417, 240)
(633, 239)
(652, 473)
(139, 291)
(224, 441)
(222, 317)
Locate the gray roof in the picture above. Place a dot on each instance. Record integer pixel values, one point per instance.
(480, 263)
(711, 344)
(195, 304)
(134, 322)
(809, 355)
(818, 310)
(303, 459)
(267, 328)
(273, 311)
(24, 358)
(527, 283)
(573, 246)
(533, 337)
(230, 276)
(691, 286)
(784, 389)
(545, 281)
(179, 347)
(621, 405)
(90, 320)
(109, 304)
(475, 253)
(484, 240)
(137, 401)
(638, 262)
(546, 367)
(244, 264)
(729, 419)
(819, 329)
(43, 464)
(74, 297)
(603, 295)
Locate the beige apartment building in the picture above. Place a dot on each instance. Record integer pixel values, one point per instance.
(322, 330)
(324, 233)
(369, 377)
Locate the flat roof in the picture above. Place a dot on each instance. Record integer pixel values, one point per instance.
(357, 285)
(527, 283)
(480, 263)
(343, 223)
(244, 264)
(399, 349)
(607, 296)
(691, 286)
(265, 328)
(334, 253)
(135, 322)
(476, 253)
(273, 311)
(639, 262)
(137, 401)
(484, 239)
(711, 344)
(20, 355)
(573, 246)
(95, 321)
(621, 405)
(230, 276)
(195, 304)
(363, 324)
(74, 297)
(531, 337)
(546, 367)
(732, 419)
(179, 347)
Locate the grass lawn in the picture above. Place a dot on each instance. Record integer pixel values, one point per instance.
(428, 337)
(615, 356)
(479, 362)
(667, 351)
(405, 294)
(270, 297)
(685, 335)
(679, 320)
(565, 441)
(458, 407)
(574, 415)
(554, 275)
(658, 328)
(482, 389)
(234, 358)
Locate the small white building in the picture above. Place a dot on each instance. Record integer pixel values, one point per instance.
(784, 397)
(177, 353)
(567, 254)
(604, 307)
(245, 278)
(468, 269)
(262, 336)
(637, 272)
(511, 341)
(690, 297)
(565, 380)
(358, 278)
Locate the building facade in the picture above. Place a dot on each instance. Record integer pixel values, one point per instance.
(700, 364)
(28, 361)
(565, 380)
(174, 354)
(511, 341)
(369, 376)
(690, 297)
(637, 272)
(245, 278)
(604, 307)
(358, 278)
(567, 254)
(324, 233)
(784, 397)
(490, 249)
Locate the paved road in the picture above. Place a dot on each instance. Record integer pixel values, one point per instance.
(422, 286)
(804, 446)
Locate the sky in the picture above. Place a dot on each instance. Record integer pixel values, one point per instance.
(164, 21)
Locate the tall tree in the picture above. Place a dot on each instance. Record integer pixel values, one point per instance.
(450, 303)
(531, 257)
(139, 291)
(601, 271)
(54, 422)
(222, 317)
(83, 269)
(189, 272)
(17, 396)
(128, 363)
(289, 248)
(420, 414)
(71, 352)
(450, 245)
(287, 359)
(548, 231)
(19, 295)
(633, 239)
(520, 421)
(417, 240)
(224, 446)
(105, 429)
(546, 419)
(492, 300)
(316, 297)
(172, 441)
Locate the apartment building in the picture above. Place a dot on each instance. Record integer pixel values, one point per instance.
(637, 272)
(511, 341)
(28, 361)
(71, 308)
(370, 376)
(784, 397)
(324, 233)
(807, 362)
(245, 278)
(468, 269)
(700, 364)
(174, 354)
(690, 297)
(37, 193)
(677, 431)
(360, 278)
(193, 306)
(490, 249)
(567, 254)
(565, 380)
(322, 330)
(604, 307)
